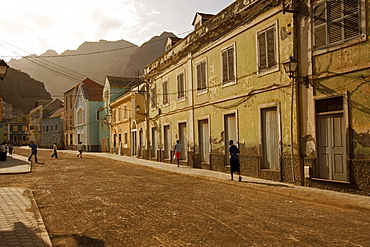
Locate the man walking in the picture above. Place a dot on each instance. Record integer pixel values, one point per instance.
(79, 148)
(33, 147)
(234, 160)
(55, 148)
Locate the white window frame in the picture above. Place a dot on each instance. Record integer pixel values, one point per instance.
(273, 67)
(205, 89)
(231, 81)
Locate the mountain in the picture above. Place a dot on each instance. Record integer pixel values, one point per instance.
(94, 60)
(146, 53)
(20, 90)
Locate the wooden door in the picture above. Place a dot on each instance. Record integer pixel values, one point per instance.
(331, 147)
(167, 142)
(203, 140)
(183, 134)
(154, 142)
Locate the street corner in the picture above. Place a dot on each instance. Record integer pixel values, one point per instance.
(15, 164)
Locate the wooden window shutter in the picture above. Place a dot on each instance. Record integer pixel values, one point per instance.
(351, 19)
(271, 54)
(199, 77)
(319, 22)
(335, 21)
(230, 57)
(224, 67)
(203, 75)
(262, 51)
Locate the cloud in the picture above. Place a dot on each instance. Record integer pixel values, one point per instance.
(153, 12)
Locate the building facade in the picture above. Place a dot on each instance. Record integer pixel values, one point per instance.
(88, 101)
(52, 130)
(226, 81)
(68, 116)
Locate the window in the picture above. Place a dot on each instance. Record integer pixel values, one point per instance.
(56, 127)
(180, 86)
(166, 100)
(24, 128)
(51, 128)
(153, 97)
(80, 116)
(336, 22)
(267, 49)
(201, 70)
(125, 112)
(119, 113)
(47, 128)
(228, 65)
(15, 128)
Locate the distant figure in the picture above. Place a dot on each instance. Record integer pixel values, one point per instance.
(33, 147)
(3, 151)
(234, 160)
(177, 150)
(55, 149)
(10, 147)
(80, 150)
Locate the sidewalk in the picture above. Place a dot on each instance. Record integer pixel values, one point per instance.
(20, 220)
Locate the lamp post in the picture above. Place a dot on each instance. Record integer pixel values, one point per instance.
(290, 68)
(3, 69)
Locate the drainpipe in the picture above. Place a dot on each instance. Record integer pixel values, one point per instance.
(297, 53)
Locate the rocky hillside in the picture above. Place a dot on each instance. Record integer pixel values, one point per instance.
(20, 90)
(95, 60)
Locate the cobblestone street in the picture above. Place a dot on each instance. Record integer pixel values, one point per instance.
(96, 201)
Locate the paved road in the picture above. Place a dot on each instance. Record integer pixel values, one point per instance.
(96, 201)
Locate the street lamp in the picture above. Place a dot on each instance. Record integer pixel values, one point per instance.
(3, 69)
(290, 66)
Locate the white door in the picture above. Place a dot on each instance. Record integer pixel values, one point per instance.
(203, 141)
(331, 147)
(230, 134)
(270, 138)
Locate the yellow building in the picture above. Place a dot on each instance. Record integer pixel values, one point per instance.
(124, 120)
(225, 81)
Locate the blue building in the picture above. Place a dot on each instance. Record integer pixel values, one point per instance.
(52, 130)
(15, 131)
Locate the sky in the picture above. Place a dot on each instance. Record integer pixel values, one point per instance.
(35, 26)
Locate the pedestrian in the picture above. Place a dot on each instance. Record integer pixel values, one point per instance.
(10, 147)
(177, 150)
(80, 150)
(3, 151)
(55, 148)
(234, 160)
(33, 147)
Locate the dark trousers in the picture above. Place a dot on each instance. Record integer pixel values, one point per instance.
(55, 154)
(33, 154)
